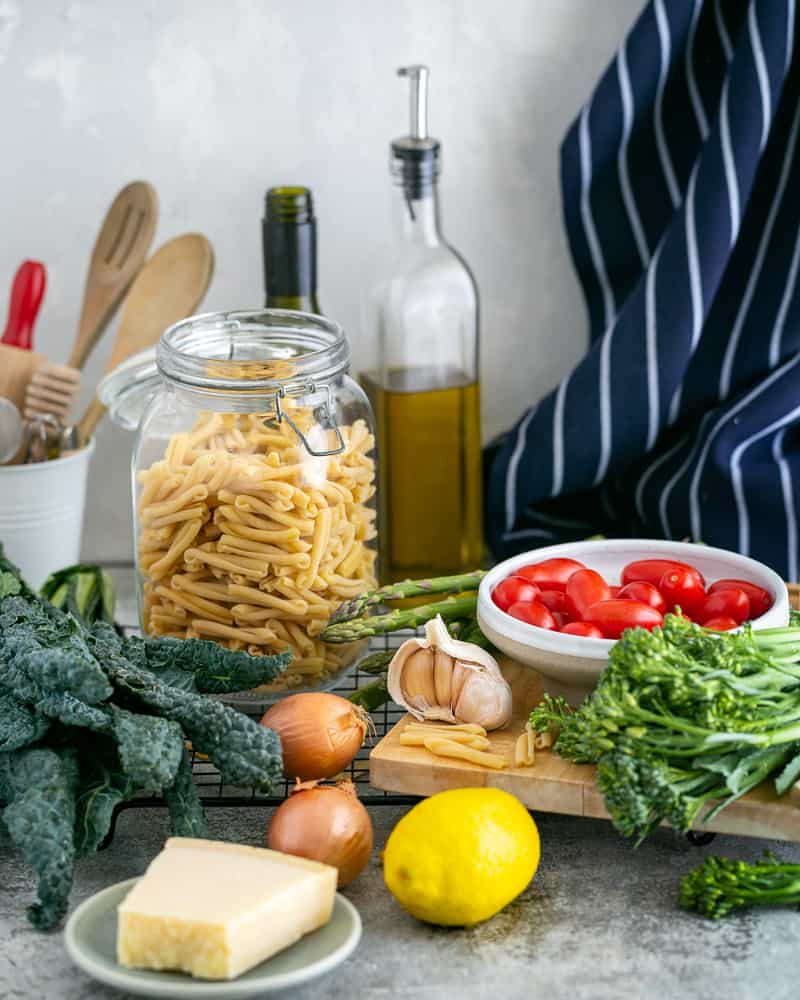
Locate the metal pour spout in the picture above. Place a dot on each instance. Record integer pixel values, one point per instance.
(418, 75)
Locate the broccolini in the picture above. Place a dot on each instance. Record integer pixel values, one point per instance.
(685, 721)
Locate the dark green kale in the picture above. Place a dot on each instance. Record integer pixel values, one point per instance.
(42, 650)
(149, 748)
(103, 786)
(186, 813)
(215, 670)
(19, 725)
(39, 786)
(244, 752)
(71, 711)
(88, 719)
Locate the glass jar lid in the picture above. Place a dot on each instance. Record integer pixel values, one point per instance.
(251, 359)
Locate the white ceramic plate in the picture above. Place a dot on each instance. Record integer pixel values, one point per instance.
(571, 664)
(91, 941)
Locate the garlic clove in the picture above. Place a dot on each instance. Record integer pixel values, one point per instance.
(438, 677)
(484, 701)
(442, 676)
(417, 679)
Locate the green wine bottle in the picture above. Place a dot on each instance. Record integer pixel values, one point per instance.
(289, 234)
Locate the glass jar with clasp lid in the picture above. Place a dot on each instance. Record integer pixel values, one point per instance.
(254, 485)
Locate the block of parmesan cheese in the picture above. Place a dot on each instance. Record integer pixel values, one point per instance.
(215, 910)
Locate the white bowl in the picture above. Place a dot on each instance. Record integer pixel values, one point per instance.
(570, 665)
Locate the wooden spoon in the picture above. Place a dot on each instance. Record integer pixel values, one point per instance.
(119, 252)
(169, 288)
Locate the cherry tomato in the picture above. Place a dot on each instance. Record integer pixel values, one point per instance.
(556, 601)
(733, 603)
(615, 589)
(721, 624)
(513, 590)
(683, 587)
(549, 574)
(614, 616)
(533, 613)
(652, 570)
(760, 599)
(561, 619)
(582, 628)
(584, 588)
(641, 591)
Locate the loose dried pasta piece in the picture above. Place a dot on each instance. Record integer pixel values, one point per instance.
(412, 738)
(441, 747)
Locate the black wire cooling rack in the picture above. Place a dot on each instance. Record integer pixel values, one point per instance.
(214, 792)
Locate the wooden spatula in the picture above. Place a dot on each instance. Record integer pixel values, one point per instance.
(119, 252)
(170, 287)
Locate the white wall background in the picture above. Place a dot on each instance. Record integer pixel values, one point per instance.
(215, 100)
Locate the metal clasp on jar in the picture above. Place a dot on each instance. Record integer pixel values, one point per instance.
(326, 409)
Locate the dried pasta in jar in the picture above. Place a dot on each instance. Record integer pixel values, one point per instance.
(247, 539)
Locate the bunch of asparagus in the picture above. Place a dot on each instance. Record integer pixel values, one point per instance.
(370, 613)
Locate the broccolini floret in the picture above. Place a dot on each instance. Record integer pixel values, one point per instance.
(718, 886)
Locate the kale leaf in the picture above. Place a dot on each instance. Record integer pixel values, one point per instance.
(19, 726)
(40, 646)
(183, 801)
(39, 788)
(244, 752)
(216, 670)
(104, 786)
(150, 748)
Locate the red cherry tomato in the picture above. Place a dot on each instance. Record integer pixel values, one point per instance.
(760, 599)
(556, 601)
(641, 591)
(584, 588)
(549, 574)
(614, 616)
(582, 628)
(652, 570)
(512, 590)
(721, 624)
(733, 603)
(533, 613)
(615, 589)
(683, 587)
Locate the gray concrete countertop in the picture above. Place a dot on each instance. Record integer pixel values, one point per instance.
(600, 921)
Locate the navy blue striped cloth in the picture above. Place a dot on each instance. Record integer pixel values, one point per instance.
(681, 190)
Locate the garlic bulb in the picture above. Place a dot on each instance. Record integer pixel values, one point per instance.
(439, 677)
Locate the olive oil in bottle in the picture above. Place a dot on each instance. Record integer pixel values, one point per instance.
(424, 390)
(289, 238)
(429, 450)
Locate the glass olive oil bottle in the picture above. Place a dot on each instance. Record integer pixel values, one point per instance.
(289, 236)
(424, 390)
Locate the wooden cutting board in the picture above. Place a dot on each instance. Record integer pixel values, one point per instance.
(552, 784)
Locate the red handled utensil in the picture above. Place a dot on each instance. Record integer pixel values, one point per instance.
(27, 292)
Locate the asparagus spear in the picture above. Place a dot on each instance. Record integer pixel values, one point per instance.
(376, 663)
(361, 628)
(356, 606)
(372, 696)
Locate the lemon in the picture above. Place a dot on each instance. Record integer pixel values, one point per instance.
(460, 856)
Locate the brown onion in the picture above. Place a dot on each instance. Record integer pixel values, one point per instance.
(320, 733)
(325, 823)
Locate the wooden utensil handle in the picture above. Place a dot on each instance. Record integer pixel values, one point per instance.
(87, 425)
(98, 308)
(16, 370)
